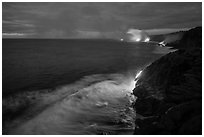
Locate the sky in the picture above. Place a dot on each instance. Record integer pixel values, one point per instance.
(95, 20)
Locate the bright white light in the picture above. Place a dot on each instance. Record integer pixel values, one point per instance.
(138, 39)
(138, 74)
(121, 39)
(132, 85)
(162, 44)
(147, 40)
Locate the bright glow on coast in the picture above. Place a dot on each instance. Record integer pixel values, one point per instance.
(138, 39)
(162, 44)
(121, 39)
(133, 82)
(147, 40)
(132, 85)
(136, 35)
(138, 74)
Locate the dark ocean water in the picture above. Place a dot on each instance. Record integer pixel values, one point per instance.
(95, 78)
(31, 64)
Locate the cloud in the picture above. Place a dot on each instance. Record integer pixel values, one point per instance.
(107, 19)
(15, 35)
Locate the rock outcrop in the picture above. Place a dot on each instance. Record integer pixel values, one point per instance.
(169, 91)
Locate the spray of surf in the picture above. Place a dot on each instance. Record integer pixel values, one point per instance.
(101, 107)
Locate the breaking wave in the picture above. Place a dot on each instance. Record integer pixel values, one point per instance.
(96, 104)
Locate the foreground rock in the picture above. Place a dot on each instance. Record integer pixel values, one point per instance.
(169, 94)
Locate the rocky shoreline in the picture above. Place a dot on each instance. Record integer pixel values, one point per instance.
(169, 91)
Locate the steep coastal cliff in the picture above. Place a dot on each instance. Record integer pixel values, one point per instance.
(169, 91)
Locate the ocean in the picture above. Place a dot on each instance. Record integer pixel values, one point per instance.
(71, 86)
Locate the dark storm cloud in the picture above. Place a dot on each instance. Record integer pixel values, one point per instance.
(108, 20)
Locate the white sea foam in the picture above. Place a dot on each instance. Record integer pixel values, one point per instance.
(102, 107)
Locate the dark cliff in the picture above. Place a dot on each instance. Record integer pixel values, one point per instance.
(167, 38)
(169, 91)
(190, 39)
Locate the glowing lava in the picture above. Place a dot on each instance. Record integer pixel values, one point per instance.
(138, 74)
(162, 44)
(136, 35)
(133, 83)
(147, 40)
(138, 39)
